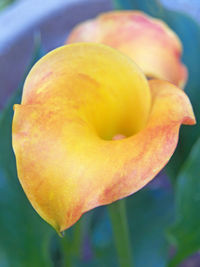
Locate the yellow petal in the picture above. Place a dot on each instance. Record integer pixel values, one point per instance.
(148, 41)
(75, 100)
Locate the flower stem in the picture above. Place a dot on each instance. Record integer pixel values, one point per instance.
(77, 240)
(72, 246)
(118, 216)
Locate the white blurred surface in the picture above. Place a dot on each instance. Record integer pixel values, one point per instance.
(53, 19)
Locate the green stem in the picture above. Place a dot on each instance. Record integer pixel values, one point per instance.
(72, 247)
(118, 216)
(77, 239)
(66, 249)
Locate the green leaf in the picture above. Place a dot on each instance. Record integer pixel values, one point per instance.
(185, 234)
(24, 236)
(189, 33)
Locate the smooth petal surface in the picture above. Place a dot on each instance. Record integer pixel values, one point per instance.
(75, 100)
(148, 41)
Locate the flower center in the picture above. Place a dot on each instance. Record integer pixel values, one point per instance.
(115, 96)
(118, 137)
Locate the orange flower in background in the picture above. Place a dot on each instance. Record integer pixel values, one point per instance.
(148, 41)
(76, 101)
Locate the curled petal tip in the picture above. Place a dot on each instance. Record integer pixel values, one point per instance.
(190, 120)
(184, 109)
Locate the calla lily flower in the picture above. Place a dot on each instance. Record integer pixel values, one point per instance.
(77, 102)
(148, 41)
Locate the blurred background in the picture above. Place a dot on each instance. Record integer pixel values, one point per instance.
(164, 217)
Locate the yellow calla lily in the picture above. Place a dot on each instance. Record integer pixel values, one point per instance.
(76, 101)
(148, 41)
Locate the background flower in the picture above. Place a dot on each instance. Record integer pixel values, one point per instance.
(148, 41)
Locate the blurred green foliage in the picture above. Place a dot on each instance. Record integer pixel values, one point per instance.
(185, 233)
(24, 237)
(5, 3)
(26, 240)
